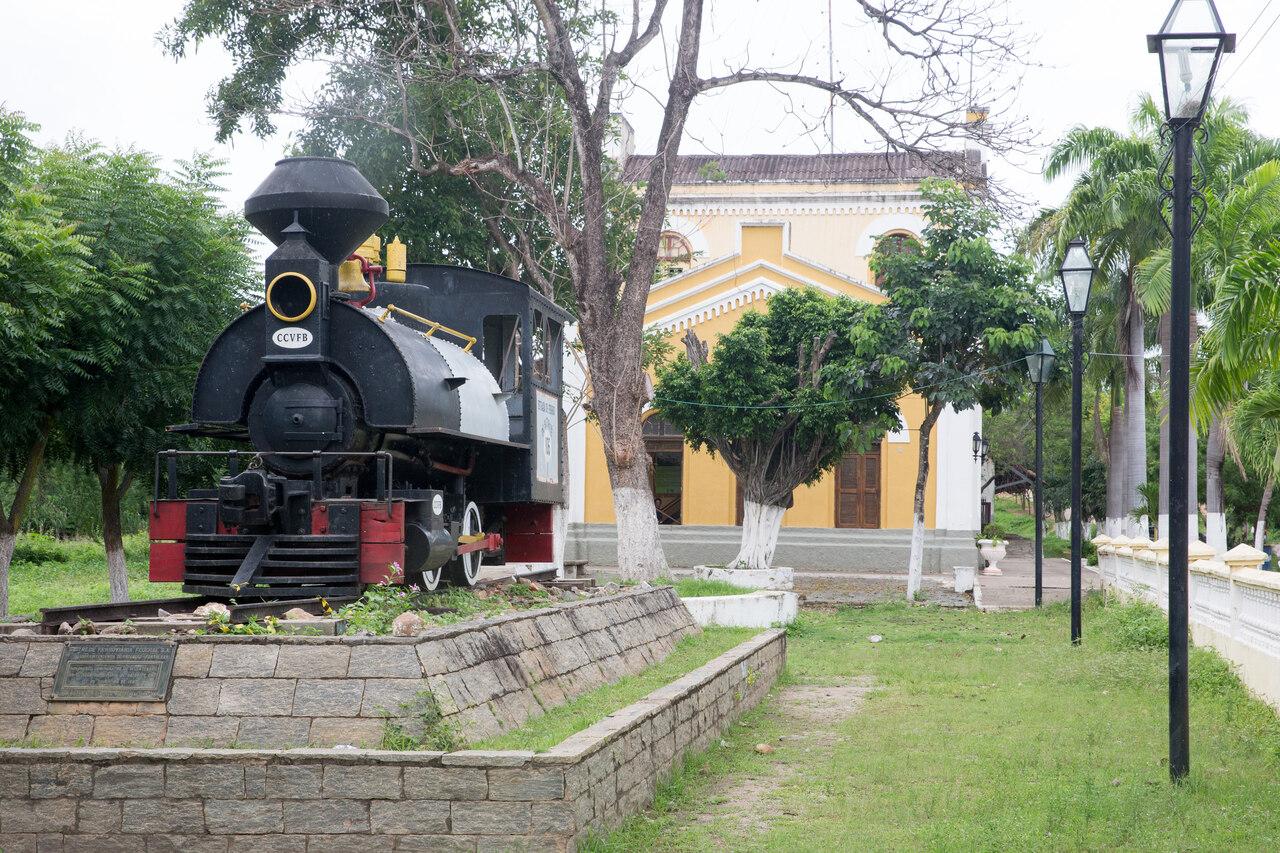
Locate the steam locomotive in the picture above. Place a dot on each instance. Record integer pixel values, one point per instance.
(393, 422)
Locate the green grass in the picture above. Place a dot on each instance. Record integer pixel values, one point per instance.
(75, 572)
(698, 588)
(988, 731)
(1009, 515)
(542, 733)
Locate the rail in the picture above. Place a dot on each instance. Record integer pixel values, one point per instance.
(432, 325)
(382, 483)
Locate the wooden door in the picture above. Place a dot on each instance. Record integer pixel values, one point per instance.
(858, 490)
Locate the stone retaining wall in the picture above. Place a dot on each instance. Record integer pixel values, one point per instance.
(310, 800)
(276, 692)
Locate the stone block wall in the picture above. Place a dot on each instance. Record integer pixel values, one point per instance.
(288, 691)
(313, 800)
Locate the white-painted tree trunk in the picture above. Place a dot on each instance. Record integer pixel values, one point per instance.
(1260, 526)
(760, 526)
(8, 541)
(559, 534)
(915, 568)
(640, 555)
(1215, 533)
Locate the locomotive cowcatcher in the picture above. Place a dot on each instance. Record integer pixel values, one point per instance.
(397, 422)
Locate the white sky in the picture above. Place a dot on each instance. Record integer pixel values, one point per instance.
(95, 67)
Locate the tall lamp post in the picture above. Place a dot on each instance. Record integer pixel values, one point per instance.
(1076, 275)
(1190, 45)
(1040, 366)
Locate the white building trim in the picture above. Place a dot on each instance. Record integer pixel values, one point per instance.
(758, 289)
(575, 378)
(959, 482)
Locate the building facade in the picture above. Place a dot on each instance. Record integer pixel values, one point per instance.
(738, 230)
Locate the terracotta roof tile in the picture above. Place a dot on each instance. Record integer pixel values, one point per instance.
(869, 167)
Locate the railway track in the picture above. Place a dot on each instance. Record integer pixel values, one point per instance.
(51, 618)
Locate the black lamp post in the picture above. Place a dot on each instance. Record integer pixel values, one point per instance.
(1190, 45)
(1040, 366)
(1076, 275)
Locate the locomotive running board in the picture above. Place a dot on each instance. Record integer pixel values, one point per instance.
(251, 567)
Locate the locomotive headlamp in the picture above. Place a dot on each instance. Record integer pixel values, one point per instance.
(291, 297)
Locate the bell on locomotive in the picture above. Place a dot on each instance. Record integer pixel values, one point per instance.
(387, 424)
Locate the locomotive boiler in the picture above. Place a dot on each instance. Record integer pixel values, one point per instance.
(391, 422)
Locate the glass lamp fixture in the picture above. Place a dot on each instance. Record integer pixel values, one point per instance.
(1076, 275)
(1190, 45)
(1040, 362)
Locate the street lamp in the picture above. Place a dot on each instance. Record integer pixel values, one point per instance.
(1190, 45)
(1040, 366)
(981, 447)
(1076, 276)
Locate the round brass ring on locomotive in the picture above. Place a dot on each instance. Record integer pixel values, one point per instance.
(306, 312)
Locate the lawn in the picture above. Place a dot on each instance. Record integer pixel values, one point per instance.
(1009, 515)
(50, 573)
(987, 731)
(542, 733)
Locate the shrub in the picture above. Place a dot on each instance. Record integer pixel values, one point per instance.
(421, 726)
(1138, 625)
(37, 548)
(994, 531)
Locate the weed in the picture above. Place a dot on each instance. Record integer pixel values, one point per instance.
(421, 725)
(698, 587)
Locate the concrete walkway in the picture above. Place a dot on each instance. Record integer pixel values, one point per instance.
(1015, 589)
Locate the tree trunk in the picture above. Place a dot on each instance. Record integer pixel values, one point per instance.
(113, 483)
(760, 526)
(640, 555)
(1162, 519)
(1260, 526)
(1116, 469)
(915, 566)
(11, 521)
(1215, 509)
(1135, 408)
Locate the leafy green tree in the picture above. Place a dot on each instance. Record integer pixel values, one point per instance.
(170, 267)
(971, 313)
(484, 89)
(786, 395)
(42, 261)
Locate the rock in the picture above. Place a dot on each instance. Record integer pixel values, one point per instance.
(298, 614)
(611, 588)
(22, 632)
(407, 625)
(644, 585)
(875, 638)
(162, 613)
(65, 628)
(204, 611)
(764, 749)
(122, 628)
(569, 595)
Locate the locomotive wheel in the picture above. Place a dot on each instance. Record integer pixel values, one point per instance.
(465, 570)
(431, 580)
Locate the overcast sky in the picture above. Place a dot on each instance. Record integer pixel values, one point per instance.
(95, 68)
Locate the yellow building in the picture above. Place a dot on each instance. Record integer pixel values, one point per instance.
(739, 229)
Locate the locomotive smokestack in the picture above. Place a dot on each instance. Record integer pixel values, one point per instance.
(328, 196)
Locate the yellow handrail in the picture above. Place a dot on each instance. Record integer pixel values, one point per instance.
(432, 325)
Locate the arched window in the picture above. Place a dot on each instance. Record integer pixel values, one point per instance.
(892, 243)
(673, 249)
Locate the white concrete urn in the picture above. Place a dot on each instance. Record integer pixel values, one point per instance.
(993, 551)
(778, 577)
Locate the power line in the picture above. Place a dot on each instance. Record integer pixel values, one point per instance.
(1260, 40)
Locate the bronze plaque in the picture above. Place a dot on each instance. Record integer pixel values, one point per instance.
(115, 671)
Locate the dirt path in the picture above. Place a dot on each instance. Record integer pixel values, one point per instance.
(810, 715)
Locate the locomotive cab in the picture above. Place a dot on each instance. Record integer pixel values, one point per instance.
(403, 431)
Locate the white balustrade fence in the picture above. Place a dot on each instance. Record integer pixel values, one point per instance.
(1235, 606)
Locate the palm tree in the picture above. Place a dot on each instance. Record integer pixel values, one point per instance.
(1241, 211)
(1114, 203)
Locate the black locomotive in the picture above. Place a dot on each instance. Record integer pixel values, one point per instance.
(402, 429)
